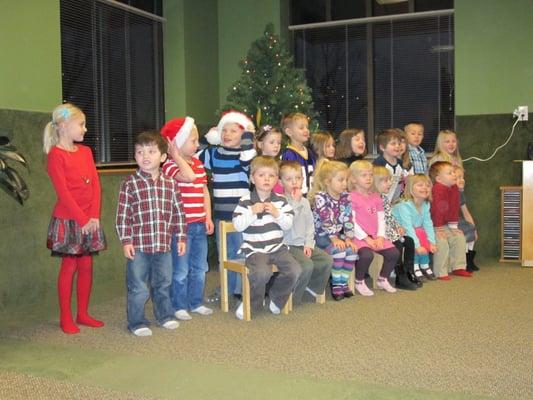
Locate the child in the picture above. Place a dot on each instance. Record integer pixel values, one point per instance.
(447, 149)
(296, 127)
(389, 145)
(445, 216)
(413, 214)
(188, 270)
(323, 145)
(403, 153)
(315, 263)
(334, 231)
(262, 215)
(74, 232)
(351, 146)
(369, 228)
(466, 222)
(414, 132)
(149, 212)
(394, 232)
(229, 160)
(268, 141)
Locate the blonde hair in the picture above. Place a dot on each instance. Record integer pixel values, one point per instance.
(289, 119)
(356, 168)
(264, 162)
(318, 142)
(411, 181)
(61, 113)
(290, 164)
(380, 174)
(344, 148)
(441, 155)
(325, 170)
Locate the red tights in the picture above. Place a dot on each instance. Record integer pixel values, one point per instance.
(84, 267)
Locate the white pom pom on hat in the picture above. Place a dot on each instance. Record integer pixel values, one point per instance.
(232, 116)
(178, 130)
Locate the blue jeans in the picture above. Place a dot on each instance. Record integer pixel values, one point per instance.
(154, 269)
(234, 241)
(188, 270)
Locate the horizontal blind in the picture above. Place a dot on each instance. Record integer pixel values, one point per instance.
(383, 74)
(112, 66)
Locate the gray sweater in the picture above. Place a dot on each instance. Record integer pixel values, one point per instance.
(302, 232)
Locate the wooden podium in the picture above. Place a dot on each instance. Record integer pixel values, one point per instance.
(527, 214)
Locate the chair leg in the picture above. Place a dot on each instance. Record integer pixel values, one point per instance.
(246, 297)
(351, 281)
(224, 304)
(287, 308)
(321, 298)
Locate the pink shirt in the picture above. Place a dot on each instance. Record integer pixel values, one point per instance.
(365, 208)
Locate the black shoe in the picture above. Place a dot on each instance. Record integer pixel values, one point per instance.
(470, 265)
(337, 293)
(403, 282)
(411, 276)
(347, 292)
(428, 274)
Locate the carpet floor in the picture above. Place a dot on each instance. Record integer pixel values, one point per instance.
(468, 338)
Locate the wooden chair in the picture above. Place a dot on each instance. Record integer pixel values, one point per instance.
(373, 271)
(239, 267)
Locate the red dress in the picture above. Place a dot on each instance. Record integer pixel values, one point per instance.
(77, 186)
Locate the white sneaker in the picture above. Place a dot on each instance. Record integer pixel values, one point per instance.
(171, 324)
(182, 315)
(141, 332)
(202, 310)
(363, 289)
(239, 313)
(385, 285)
(274, 309)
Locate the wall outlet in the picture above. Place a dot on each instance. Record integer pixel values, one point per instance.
(522, 113)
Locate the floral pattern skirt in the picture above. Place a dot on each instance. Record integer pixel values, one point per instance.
(65, 238)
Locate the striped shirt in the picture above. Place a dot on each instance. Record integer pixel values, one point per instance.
(229, 168)
(308, 165)
(262, 233)
(149, 212)
(192, 193)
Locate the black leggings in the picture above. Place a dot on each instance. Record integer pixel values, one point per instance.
(366, 255)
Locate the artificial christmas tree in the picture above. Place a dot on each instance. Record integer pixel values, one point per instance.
(270, 86)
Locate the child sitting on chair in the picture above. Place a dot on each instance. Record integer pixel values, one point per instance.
(262, 215)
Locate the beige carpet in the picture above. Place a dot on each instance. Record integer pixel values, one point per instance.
(464, 336)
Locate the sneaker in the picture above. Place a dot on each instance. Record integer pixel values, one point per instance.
(239, 313)
(462, 272)
(274, 309)
(202, 310)
(363, 290)
(383, 283)
(182, 315)
(171, 324)
(142, 332)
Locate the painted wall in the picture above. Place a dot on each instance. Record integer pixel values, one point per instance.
(30, 70)
(240, 22)
(493, 57)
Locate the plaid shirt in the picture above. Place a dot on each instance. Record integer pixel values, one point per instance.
(149, 212)
(418, 158)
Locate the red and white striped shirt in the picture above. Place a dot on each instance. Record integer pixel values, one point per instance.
(192, 193)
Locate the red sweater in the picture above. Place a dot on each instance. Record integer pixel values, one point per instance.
(76, 183)
(445, 205)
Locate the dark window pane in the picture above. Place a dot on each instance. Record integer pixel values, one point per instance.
(307, 11)
(389, 9)
(431, 5)
(348, 9)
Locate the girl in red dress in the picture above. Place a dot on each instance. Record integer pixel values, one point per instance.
(74, 232)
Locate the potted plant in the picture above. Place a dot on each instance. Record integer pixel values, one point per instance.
(10, 180)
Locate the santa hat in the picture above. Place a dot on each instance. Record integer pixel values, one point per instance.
(232, 116)
(178, 130)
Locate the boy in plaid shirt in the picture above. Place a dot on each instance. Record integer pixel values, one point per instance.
(149, 212)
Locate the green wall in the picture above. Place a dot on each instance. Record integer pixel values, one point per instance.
(240, 22)
(30, 69)
(493, 57)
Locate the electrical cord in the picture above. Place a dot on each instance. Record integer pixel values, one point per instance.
(498, 148)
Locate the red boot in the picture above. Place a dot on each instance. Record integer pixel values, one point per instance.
(64, 293)
(85, 283)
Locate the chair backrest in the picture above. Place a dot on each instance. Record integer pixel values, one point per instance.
(225, 228)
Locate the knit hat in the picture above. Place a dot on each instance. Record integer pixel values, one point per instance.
(231, 116)
(178, 130)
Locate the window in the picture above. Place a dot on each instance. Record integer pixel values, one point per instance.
(112, 66)
(381, 72)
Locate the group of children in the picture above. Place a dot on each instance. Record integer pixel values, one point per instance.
(317, 215)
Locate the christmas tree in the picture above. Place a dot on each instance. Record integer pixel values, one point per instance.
(270, 86)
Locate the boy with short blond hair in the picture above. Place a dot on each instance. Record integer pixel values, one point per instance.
(451, 244)
(149, 212)
(315, 262)
(296, 127)
(262, 216)
(414, 133)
